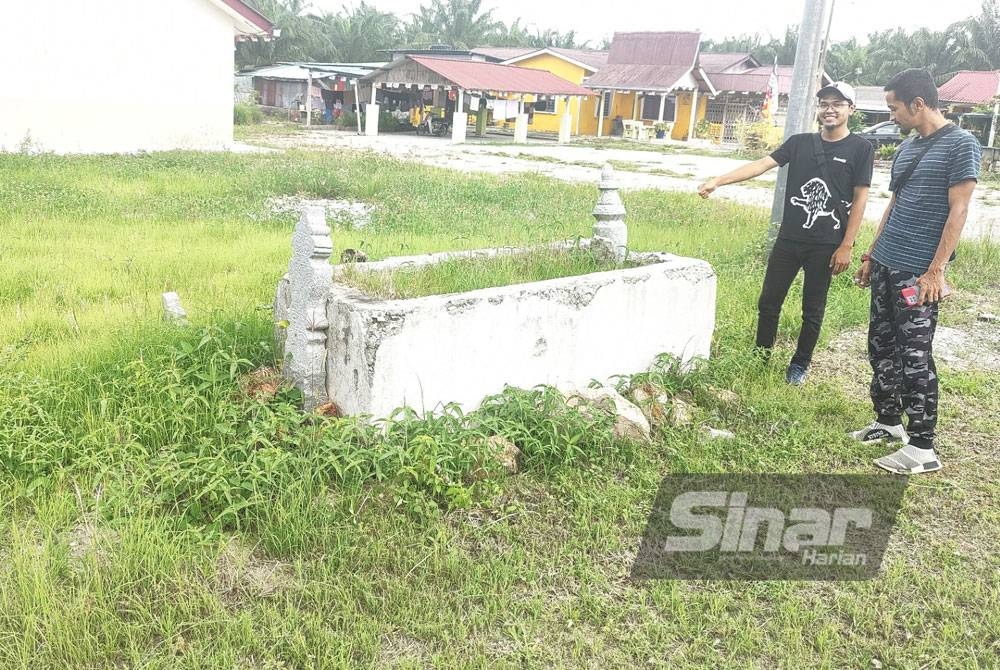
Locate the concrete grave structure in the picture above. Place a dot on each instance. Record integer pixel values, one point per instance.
(371, 356)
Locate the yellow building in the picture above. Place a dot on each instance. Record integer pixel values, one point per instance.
(653, 77)
(573, 65)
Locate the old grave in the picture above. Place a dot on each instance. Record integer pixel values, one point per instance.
(370, 356)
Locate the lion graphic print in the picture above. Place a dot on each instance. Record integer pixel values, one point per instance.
(817, 201)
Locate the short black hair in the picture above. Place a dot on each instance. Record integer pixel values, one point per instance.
(914, 83)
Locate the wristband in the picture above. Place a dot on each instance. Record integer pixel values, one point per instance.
(865, 257)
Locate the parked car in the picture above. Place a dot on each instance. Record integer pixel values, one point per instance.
(882, 134)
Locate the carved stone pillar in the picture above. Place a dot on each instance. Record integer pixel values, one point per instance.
(305, 294)
(610, 232)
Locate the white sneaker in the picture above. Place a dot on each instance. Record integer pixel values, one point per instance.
(910, 460)
(877, 432)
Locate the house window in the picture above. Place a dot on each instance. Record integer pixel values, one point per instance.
(547, 106)
(651, 108)
(607, 105)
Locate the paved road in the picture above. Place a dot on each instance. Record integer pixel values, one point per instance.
(666, 170)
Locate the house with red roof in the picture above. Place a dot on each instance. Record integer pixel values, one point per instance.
(652, 75)
(107, 76)
(459, 87)
(742, 83)
(973, 98)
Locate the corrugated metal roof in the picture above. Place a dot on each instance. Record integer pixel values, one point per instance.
(480, 76)
(870, 99)
(714, 63)
(503, 53)
(349, 69)
(300, 71)
(627, 77)
(755, 80)
(663, 48)
(592, 61)
(595, 59)
(971, 87)
(650, 61)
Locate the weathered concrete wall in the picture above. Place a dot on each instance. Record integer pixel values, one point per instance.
(423, 352)
(113, 76)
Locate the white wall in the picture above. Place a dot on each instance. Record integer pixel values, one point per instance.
(116, 75)
(423, 352)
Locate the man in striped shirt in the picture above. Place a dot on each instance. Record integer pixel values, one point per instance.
(933, 177)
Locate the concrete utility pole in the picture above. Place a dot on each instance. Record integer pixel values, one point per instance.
(309, 97)
(993, 124)
(806, 76)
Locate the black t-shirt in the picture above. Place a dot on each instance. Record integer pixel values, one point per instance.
(810, 209)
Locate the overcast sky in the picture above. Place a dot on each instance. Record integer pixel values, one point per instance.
(714, 19)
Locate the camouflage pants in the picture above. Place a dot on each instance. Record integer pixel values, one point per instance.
(900, 340)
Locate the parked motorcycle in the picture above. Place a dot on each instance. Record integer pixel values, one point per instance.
(434, 125)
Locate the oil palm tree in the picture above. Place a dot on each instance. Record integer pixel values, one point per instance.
(300, 37)
(939, 52)
(979, 36)
(355, 35)
(461, 24)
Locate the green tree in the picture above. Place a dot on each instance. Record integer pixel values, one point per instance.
(979, 36)
(777, 50)
(939, 52)
(462, 24)
(353, 36)
(514, 35)
(301, 36)
(554, 38)
(850, 61)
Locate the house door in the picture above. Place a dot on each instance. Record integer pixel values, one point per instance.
(731, 112)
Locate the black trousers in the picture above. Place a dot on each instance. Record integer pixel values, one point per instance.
(784, 263)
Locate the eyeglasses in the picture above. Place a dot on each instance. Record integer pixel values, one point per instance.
(839, 104)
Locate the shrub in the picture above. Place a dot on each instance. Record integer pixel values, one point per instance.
(347, 120)
(856, 122)
(886, 152)
(387, 123)
(757, 139)
(702, 129)
(245, 114)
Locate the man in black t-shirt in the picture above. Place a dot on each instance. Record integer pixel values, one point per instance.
(828, 178)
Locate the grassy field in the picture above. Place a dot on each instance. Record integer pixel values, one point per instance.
(158, 513)
(458, 275)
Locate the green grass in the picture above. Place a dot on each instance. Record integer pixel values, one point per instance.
(457, 275)
(158, 514)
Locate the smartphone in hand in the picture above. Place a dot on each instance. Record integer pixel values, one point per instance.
(911, 294)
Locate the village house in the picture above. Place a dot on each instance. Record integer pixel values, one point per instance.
(573, 65)
(652, 76)
(145, 74)
(973, 99)
(742, 85)
(455, 88)
(282, 87)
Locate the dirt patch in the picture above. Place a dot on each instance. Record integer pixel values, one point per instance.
(973, 347)
(401, 649)
(241, 573)
(262, 384)
(88, 537)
